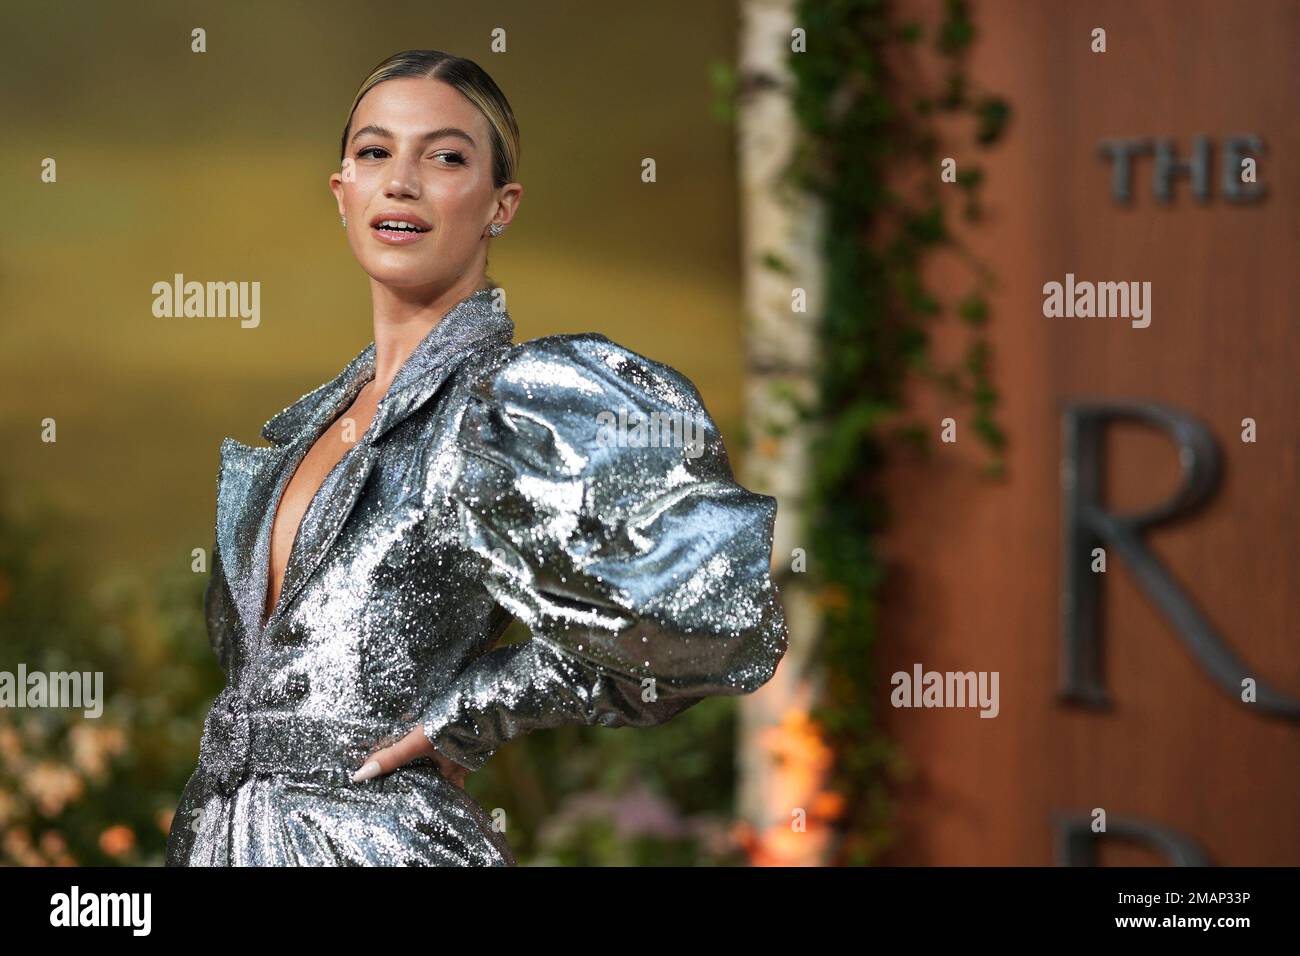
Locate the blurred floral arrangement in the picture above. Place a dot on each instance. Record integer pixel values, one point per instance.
(95, 791)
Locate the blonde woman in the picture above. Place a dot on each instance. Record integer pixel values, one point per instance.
(446, 480)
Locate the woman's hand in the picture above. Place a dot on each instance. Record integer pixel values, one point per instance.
(415, 744)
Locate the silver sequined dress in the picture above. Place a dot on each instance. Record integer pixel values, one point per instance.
(566, 481)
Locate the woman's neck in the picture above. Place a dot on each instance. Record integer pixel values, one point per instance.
(403, 318)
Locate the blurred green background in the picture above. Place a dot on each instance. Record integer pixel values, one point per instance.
(214, 165)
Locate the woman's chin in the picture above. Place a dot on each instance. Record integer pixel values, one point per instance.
(405, 276)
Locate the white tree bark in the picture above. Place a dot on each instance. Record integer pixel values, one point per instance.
(780, 771)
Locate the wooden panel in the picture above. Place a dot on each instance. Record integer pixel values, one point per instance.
(977, 564)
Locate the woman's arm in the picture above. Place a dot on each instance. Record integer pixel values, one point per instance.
(597, 489)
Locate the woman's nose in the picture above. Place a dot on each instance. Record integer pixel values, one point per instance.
(404, 183)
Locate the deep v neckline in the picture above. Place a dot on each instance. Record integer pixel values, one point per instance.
(282, 485)
(472, 323)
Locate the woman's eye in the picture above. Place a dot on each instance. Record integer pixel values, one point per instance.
(375, 152)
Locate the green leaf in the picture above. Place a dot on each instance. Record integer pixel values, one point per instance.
(957, 31)
(911, 32)
(774, 262)
(954, 94)
(974, 309)
(724, 80)
(992, 114)
(970, 176)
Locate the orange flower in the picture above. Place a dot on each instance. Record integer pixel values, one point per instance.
(832, 598)
(117, 840)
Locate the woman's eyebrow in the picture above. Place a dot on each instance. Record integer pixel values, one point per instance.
(432, 135)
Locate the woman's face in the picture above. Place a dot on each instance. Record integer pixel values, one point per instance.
(394, 169)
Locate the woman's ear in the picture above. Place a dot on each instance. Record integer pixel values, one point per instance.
(508, 200)
(336, 187)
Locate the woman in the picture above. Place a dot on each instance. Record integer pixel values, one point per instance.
(367, 561)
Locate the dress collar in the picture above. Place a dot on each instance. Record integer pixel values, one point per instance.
(476, 322)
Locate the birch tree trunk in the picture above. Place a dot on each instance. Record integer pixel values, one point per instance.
(782, 762)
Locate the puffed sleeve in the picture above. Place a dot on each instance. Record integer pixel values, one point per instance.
(597, 488)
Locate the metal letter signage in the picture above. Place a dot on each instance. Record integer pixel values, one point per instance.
(1078, 845)
(1087, 525)
(1234, 186)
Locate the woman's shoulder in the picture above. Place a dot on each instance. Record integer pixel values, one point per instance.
(587, 369)
(581, 403)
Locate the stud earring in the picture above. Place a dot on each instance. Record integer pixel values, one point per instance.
(344, 220)
(496, 229)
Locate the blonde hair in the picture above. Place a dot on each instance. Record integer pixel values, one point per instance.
(471, 81)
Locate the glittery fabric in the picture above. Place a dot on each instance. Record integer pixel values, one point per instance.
(566, 481)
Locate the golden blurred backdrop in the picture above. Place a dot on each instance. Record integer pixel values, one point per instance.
(214, 165)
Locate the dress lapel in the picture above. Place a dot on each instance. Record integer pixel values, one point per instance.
(251, 479)
(475, 323)
(247, 479)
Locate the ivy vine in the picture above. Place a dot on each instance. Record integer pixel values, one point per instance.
(866, 126)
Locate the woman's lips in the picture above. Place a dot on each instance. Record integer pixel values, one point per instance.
(397, 237)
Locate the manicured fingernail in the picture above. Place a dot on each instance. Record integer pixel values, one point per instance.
(369, 769)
